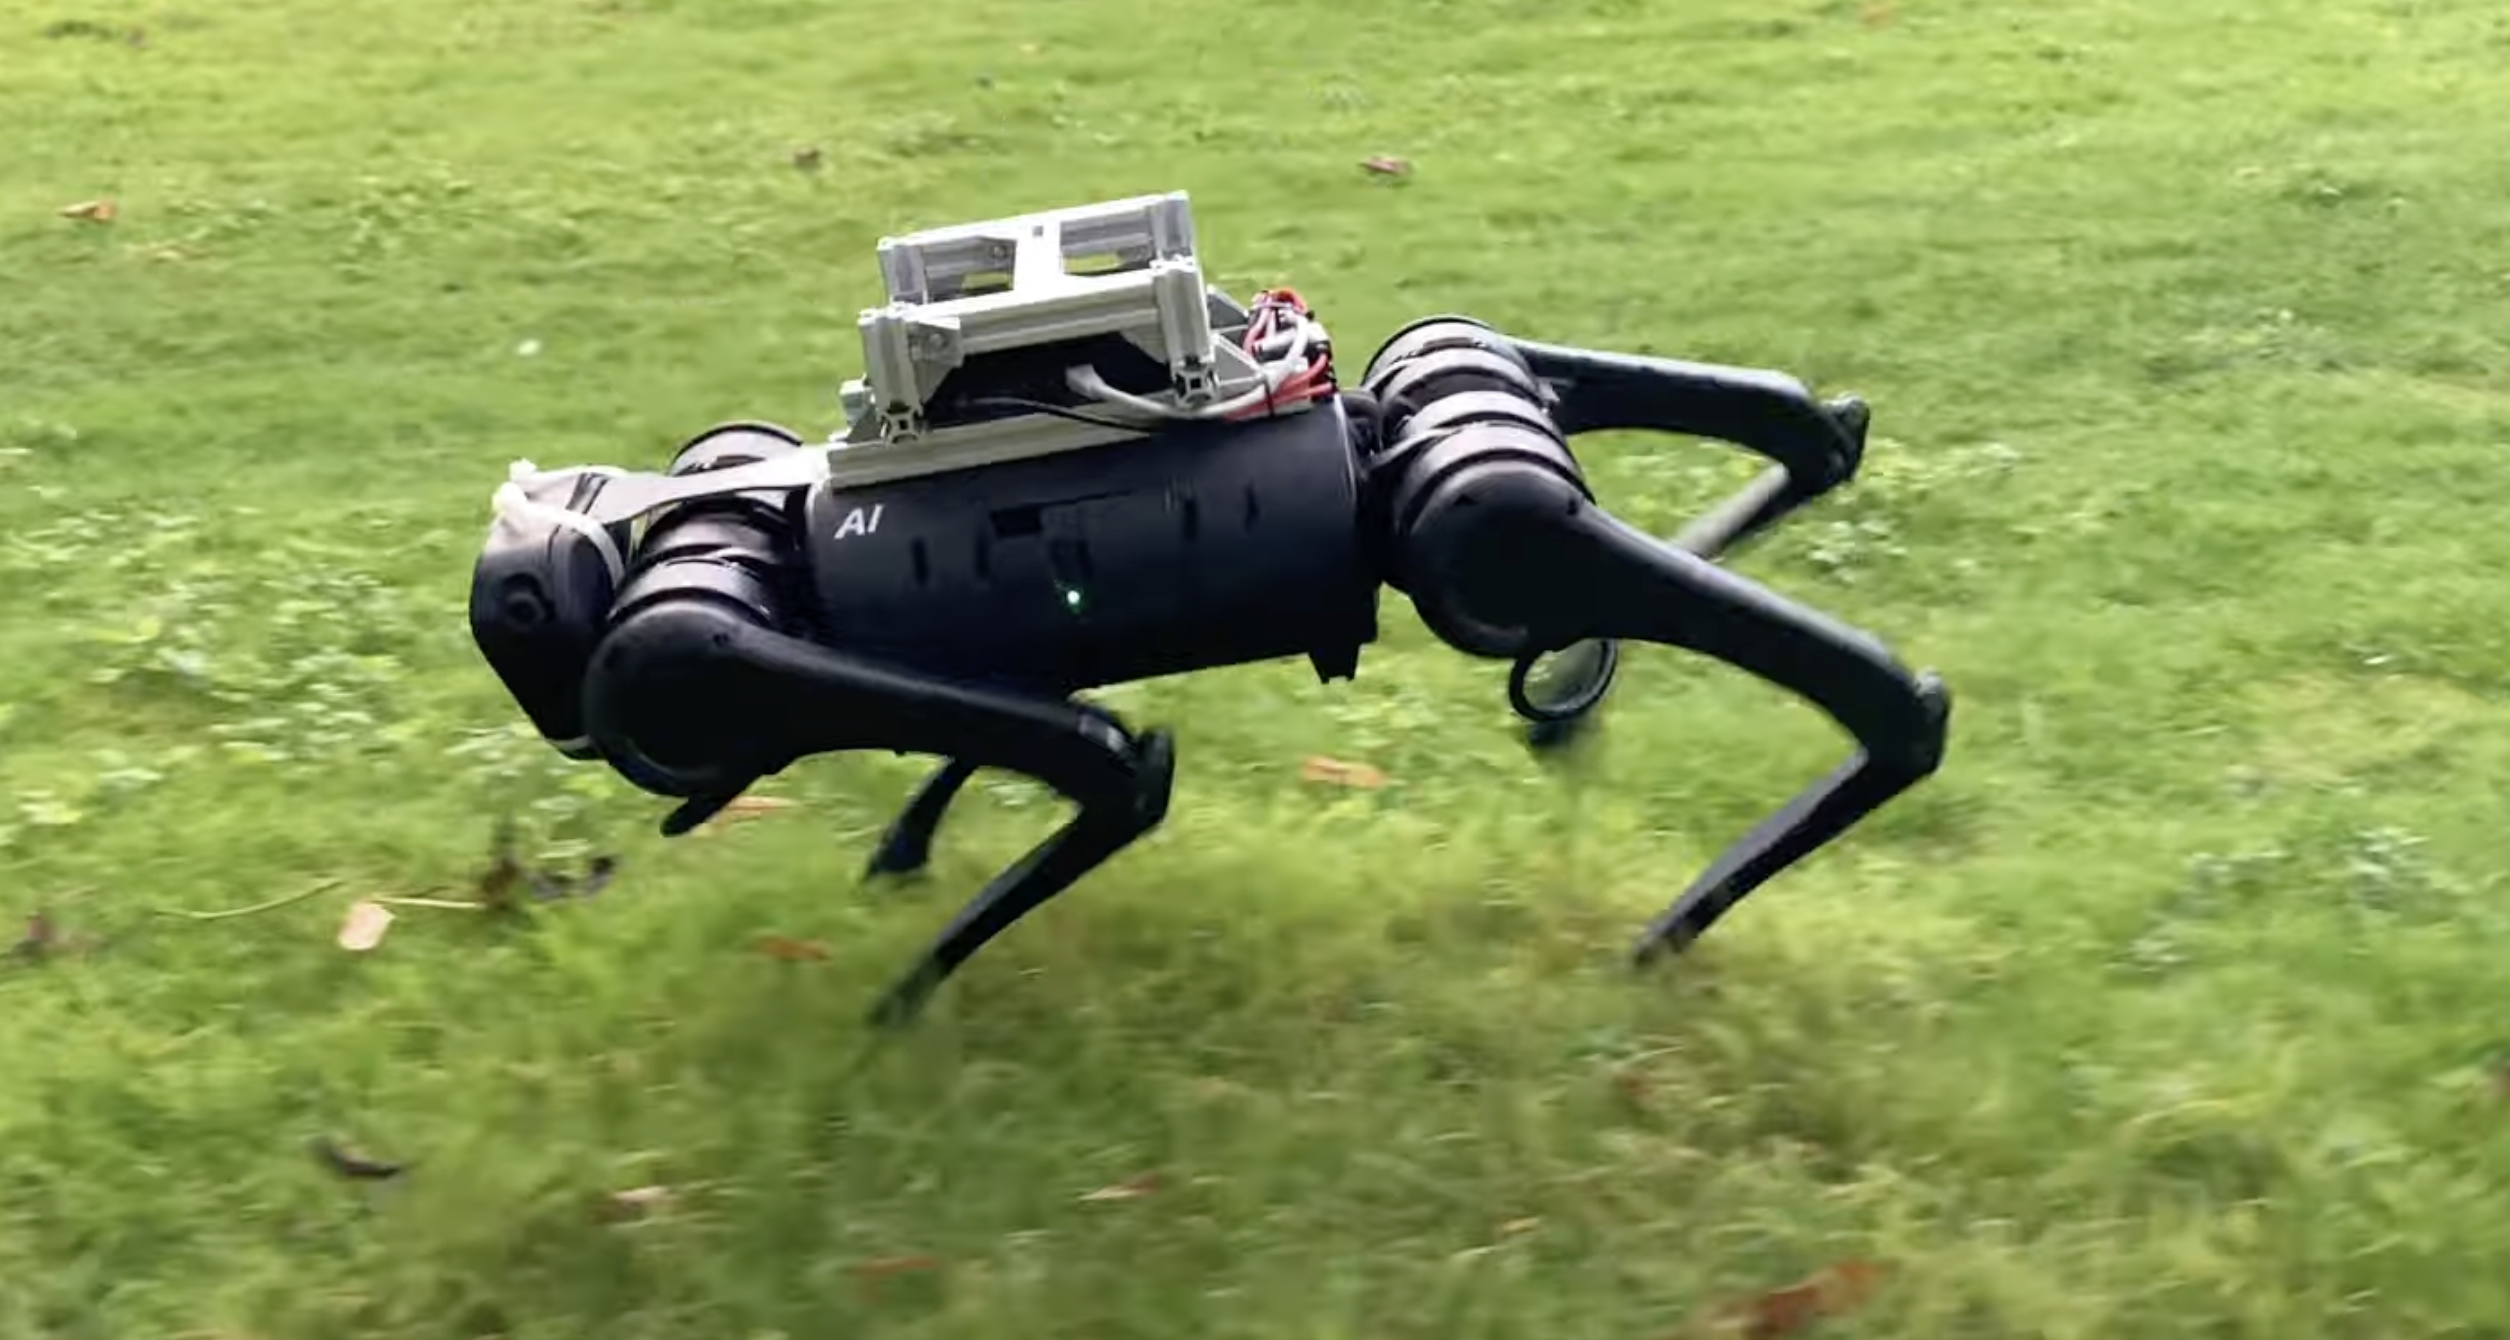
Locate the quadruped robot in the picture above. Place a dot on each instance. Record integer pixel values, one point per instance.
(1072, 462)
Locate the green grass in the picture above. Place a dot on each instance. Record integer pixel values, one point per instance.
(2172, 1007)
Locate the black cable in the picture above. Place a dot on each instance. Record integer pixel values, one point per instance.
(1026, 406)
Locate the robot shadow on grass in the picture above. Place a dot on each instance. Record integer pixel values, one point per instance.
(1072, 462)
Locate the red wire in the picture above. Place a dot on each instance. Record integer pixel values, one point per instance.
(1309, 384)
(1267, 311)
(1310, 381)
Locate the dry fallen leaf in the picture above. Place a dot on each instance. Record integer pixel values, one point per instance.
(791, 950)
(740, 810)
(1131, 1188)
(1516, 1226)
(1213, 1089)
(1383, 166)
(363, 928)
(637, 1202)
(349, 1163)
(1335, 772)
(1789, 1311)
(885, 1266)
(807, 159)
(873, 1276)
(42, 937)
(93, 211)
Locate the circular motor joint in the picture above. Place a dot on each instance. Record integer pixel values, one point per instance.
(1578, 677)
(1439, 460)
(729, 444)
(1413, 386)
(1432, 334)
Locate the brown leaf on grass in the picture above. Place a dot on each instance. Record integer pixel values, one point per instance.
(1131, 1188)
(1383, 166)
(885, 1267)
(1781, 1313)
(791, 950)
(808, 158)
(92, 211)
(874, 1276)
(42, 937)
(1514, 1227)
(1335, 772)
(1214, 1089)
(352, 1164)
(1876, 15)
(741, 809)
(639, 1202)
(363, 928)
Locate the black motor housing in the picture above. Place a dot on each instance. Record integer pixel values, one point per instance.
(1205, 545)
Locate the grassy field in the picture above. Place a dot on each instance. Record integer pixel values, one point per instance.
(2174, 1006)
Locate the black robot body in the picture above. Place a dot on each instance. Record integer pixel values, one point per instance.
(708, 626)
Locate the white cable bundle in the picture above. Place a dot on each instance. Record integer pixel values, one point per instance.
(1306, 333)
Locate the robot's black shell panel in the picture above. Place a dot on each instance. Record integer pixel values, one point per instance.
(1207, 545)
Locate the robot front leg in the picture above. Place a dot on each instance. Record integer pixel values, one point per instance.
(688, 697)
(1093, 837)
(907, 844)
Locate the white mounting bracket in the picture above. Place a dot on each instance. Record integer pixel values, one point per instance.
(1122, 267)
